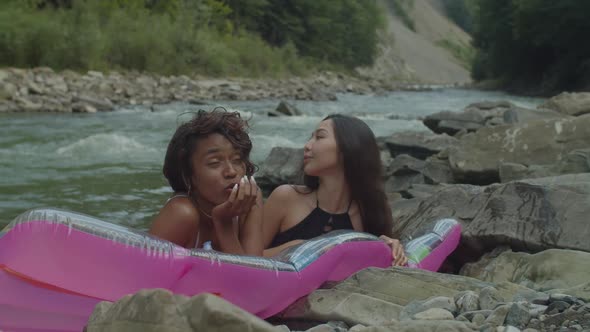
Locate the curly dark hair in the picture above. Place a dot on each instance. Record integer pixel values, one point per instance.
(177, 163)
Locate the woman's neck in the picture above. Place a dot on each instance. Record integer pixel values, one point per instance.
(333, 193)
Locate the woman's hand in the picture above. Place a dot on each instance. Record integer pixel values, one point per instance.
(397, 251)
(239, 203)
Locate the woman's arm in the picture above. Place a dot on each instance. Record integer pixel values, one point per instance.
(275, 210)
(239, 205)
(250, 228)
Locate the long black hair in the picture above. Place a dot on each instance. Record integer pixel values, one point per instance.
(363, 172)
(178, 166)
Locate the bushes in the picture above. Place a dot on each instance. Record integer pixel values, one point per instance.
(138, 39)
(192, 36)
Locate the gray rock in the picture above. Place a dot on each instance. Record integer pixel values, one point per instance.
(478, 319)
(576, 161)
(557, 307)
(477, 156)
(434, 314)
(518, 315)
(284, 108)
(283, 165)
(376, 296)
(451, 123)
(100, 104)
(160, 310)
(467, 301)
(541, 299)
(549, 269)
(530, 215)
(419, 145)
(411, 309)
(537, 309)
(489, 298)
(563, 297)
(405, 172)
(471, 314)
(569, 103)
(498, 316)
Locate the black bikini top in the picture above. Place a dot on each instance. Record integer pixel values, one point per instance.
(316, 223)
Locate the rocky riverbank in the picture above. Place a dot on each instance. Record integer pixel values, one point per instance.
(44, 90)
(519, 182)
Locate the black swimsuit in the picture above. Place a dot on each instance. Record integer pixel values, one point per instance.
(316, 223)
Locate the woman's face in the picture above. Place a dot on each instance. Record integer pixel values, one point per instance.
(321, 154)
(217, 167)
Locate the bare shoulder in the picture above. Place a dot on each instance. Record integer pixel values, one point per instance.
(287, 192)
(177, 219)
(183, 208)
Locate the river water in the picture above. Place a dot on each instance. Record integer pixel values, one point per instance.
(108, 165)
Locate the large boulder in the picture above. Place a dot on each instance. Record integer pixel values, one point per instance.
(576, 161)
(378, 296)
(160, 310)
(477, 156)
(485, 114)
(283, 165)
(419, 145)
(564, 270)
(529, 215)
(569, 103)
(406, 171)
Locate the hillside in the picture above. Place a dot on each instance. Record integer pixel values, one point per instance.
(432, 54)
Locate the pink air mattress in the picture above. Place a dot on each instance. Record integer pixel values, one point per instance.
(55, 266)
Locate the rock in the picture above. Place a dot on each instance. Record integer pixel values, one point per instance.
(422, 326)
(569, 103)
(531, 215)
(83, 108)
(518, 315)
(376, 296)
(469, 315)
(7, 90)
(489, 298)
(564, 297)
(508, 328)
(498, 316)
(405, 171)
(417, 144)
(441, 302)
(576, 161)
(285, 108)
(160, 310)
(477, 156)
(478, 319)
(451, 123)
(557, 307)
(434, 314)
(467, 301)
(351, 308)
(100, 104)
(283, 165)
(549, 269)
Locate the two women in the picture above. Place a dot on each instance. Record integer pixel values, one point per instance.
(343, 188)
